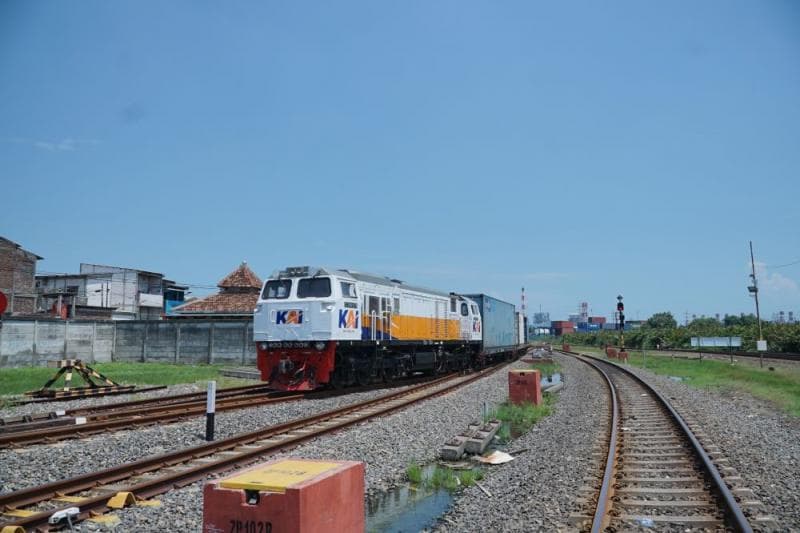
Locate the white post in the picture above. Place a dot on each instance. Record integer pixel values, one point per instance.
(211, 407)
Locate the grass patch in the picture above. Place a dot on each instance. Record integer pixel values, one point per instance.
(414, 473)
(469, 477)
(780, 387)
(441, 477)
(547, 369)
(19, 380)
(521, 418)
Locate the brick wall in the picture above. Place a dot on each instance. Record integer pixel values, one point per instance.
(17, 278)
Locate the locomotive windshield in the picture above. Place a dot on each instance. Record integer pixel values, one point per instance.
(277, 289)
(314, 288)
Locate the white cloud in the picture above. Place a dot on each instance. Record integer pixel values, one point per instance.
(63, 145)
(774, 281)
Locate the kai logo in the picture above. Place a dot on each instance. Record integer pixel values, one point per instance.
(290, 316)
(348, 318)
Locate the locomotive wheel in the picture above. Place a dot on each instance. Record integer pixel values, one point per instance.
(390, 374)
(363, 376)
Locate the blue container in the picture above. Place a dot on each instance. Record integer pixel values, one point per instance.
(499, 323)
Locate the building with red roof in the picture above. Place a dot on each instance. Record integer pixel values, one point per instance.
(237, 297)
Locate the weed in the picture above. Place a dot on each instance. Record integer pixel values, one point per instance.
(547, 369)
(520, 418)
(504, 433)
(414, 473)
(443, 478)
(469, 477)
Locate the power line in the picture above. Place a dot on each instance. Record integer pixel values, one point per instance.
(786, 265)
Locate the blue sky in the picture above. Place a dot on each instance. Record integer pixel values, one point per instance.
(579, 149)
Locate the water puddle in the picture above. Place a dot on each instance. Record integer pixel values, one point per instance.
(552, 379)
(406, 509)
(415, 506)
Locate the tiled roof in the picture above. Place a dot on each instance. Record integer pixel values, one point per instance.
(240, 278)
(227, 303)
(238, 295)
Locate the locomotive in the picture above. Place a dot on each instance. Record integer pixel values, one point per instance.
(316, 327)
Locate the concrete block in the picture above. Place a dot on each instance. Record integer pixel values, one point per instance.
(298, 495)
(478, 442)
(623, 356)
(611, 352)
(525, 386)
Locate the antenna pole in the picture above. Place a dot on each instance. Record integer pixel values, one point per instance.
(754, 290)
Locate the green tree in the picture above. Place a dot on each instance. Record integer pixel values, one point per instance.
(663, 320)
(741, 320)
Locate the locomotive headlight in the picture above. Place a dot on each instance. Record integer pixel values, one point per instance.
(319, 346)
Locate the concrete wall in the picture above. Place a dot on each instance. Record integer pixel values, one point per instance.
(34, 342)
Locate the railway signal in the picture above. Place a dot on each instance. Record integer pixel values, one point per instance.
(621, 322)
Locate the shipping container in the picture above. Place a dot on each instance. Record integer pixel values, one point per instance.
(520, 323)
(499, 323)
(597, 320)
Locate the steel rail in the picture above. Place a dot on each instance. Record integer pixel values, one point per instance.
(86, 396)
(147, 489)
(734, 516)
(55, 429)
(61, 432)
(607, 487)
(784, 356)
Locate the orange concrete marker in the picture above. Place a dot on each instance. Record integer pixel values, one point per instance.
(566, 347)
(623, 356)
(611, 352)
(525, 386)
(297, 495)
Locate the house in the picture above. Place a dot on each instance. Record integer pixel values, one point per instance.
(17, 274)
(101, 291)
(236, 299)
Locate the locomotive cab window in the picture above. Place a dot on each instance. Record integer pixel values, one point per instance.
(277, 289)
(314, 288)
(475, 310)
(397, 306)
(464, 309)
(348, 290)
(452, 305)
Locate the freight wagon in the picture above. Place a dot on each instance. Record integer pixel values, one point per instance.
(320, 326)
(499, 324)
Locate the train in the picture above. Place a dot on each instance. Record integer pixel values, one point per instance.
(318, 327)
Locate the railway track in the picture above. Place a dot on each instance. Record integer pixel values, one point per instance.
(92, 420)
(736, 353)
(97, 492)
(656, 473)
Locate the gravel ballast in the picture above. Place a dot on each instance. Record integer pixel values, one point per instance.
(38, 464)
(387, 445)
(759, 441)
(536, 491)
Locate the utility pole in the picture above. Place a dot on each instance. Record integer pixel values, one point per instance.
(754, 291)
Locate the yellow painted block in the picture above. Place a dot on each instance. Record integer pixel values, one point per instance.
(276, 477)
(121, 499)
(105, 519)
(12, 529)
(148, 503)
(19, 513)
